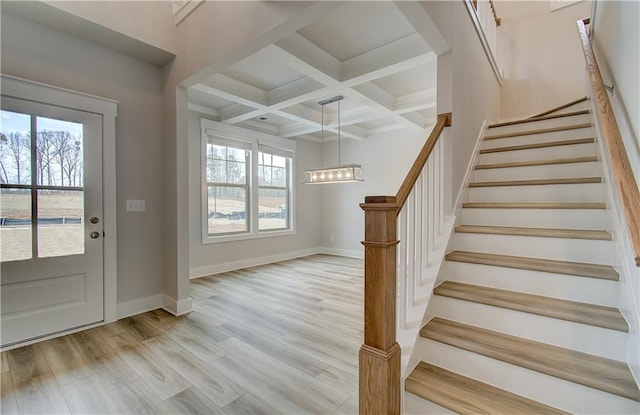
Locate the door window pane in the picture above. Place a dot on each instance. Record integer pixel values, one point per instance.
(227, 210)
(272, 209)
(60, 224)
(59, 153)
(15, 148)
(15, 224)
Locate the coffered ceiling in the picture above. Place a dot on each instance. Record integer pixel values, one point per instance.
(366, 51)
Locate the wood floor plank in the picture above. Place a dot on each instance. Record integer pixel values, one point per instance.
(468, 396)
(207, 379)
(541, 118)
(538, 131)
(536, 264)
(327, 397)
(537, 182)
(528, 163)
(136, 398)
(28, 362)
(248, 404)
(40, 395)
(151, 368)
(536, 232)
(8, 402)
(590, 314)
(350, 407)
(543, 144)
(192, 401)
(593, 371)
(65, 360)
(86, 396)
(535, 205)
(139, 328)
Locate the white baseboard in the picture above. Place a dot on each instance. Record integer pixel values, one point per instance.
(350, 253)
(175, 307)
(250, 262)
(140, 305)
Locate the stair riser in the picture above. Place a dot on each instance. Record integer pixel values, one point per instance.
(529, 126)
(549, 390)
(539, 218)
(552, 171)
(415, 405)
(545, 153)
(590, 192)
(577, 250)
(568, 287)
(538, 138)
(584, 105)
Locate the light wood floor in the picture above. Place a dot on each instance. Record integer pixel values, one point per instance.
(281, 338)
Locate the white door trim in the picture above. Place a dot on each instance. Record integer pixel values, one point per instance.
(107, 108)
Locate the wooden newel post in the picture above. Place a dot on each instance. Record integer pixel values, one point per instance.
(380, 353)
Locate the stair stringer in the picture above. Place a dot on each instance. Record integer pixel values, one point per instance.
(629, 284)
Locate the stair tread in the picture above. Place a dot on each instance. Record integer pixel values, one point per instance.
(590, 314)
(536, 163)
(561, 107)
(534, 182)
(465, 395)
(542, 118)
(580, 269)
(535, 205)
(539, 131)
(539, 145)
(600, 373)
(539, 232)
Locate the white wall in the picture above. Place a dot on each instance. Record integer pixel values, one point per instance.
(385, 158)
(540, 54)
(207, 258)
(35, 52)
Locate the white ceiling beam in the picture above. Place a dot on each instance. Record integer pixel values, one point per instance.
(416, 118)
(262, 126)
(236, 113)
(421, 21)
(394, 57)
(308, 58)
(254, 97)
(384, 101)
(415, 101)
(297, 129)
(386, 128)
(226, 95)
(289, 94)
(203, 110)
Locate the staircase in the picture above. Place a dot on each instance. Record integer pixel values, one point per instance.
(524, 315)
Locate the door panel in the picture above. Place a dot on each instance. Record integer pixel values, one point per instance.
(52, 267)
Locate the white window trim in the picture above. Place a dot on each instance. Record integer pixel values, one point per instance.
(231, 132)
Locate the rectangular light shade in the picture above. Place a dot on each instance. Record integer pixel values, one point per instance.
(339, 174)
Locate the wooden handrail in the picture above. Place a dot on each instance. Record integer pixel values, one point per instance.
(495, 14)
(379, 389)
(444, 120)
(622, 170)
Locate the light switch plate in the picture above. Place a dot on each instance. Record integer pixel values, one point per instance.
(136, 206)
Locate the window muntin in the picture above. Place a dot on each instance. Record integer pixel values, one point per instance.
(274, 178)
(228, 195)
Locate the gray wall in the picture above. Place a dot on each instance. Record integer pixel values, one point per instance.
(35, 52)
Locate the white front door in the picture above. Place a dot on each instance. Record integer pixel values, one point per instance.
(51, 223)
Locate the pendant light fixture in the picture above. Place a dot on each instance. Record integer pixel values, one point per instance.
(342, 173)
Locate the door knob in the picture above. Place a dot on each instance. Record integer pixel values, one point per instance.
(94, 235)
(94, 219)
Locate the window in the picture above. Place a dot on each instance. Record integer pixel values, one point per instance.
(249, 188)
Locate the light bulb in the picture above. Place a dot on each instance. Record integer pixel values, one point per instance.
(321, 176)
(314, 177)
(331, 175)
(339, 175)
(348, 173)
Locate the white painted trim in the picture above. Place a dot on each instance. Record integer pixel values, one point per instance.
(349, 253)
(140, 305)
(483, 39)
(467, 175)
(177, 308)
(182, 12)
(50, 336)
(561, 4)
(250, 262)
(108, 108)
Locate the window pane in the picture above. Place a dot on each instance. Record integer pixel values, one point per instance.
(279, 177)
(60, 224)
(279, 161)
(59, 153)
(236, 173)
(272, 209)
(217, 152)
(218, 171)
(227, 210)
(15, 224)
(15, 148)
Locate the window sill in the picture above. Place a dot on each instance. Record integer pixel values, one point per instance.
(246, 236)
